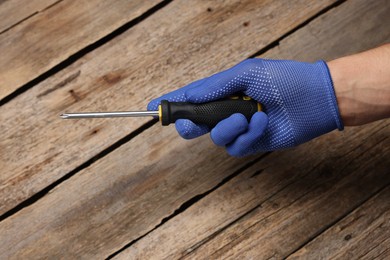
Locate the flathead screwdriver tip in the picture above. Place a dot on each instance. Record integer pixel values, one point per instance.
(64, 116)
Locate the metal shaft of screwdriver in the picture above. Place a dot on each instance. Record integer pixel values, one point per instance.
(109, 114)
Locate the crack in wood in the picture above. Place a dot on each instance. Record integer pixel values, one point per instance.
(364, 151)
(273, 213)
(29, 16)
(259, 205)
(300, 26)
(84, 51)
(374, 247)
(257, 173)
(263, 219)
(39, 195)
(216, 233)
(90, 48)
(50, 6)
(339, 219)
(191, 202)
(198, 197)
(19, 22)
(61, 84)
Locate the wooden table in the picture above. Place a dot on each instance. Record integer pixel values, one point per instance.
(131, 189)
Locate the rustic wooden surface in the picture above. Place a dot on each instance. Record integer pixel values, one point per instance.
(349, 237)
(16, 11)
(53, 35)
(132, 190)
(120, 75)
(325, 190)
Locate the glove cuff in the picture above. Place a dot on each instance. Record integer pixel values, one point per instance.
(332, 95)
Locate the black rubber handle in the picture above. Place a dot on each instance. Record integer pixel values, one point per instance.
(207, 113)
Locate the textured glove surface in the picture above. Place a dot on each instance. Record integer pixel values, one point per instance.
(298, 100)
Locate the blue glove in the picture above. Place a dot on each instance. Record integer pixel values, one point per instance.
(298, 100)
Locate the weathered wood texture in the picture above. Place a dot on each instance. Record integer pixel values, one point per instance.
(13, 12)
(364, 234)
(130, 191)
(33, 47)
(353, 27)
(277, 204)
(151, 58)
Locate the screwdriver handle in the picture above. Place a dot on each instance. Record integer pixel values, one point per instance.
(207, 113)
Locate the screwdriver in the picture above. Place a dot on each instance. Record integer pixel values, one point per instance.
(168, 112)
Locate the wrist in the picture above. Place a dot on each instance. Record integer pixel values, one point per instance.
(344, 89)
(361, 84)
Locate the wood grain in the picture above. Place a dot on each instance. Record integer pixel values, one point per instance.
(33, 47)
(99, 210)
(357, 24)
(289, 195)
(13, 12)
(322, 190)
(154, 57)
(130, 191)
(363, 234)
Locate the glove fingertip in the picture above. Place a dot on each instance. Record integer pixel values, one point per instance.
(188, 130)
(228, 129)
(242, 145)
(260, 121)
(234, 152)
(237, 152)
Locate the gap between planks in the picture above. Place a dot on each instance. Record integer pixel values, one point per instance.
(266, 191)
(27, 16)
(284, 36)
(320, 232)
(241, 170)
(86, 164)
(84, 51)
(139, 130)
(337, 221)
(185, 205)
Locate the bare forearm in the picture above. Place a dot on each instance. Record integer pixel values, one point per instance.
(362, 85)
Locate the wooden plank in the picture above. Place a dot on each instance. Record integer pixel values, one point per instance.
(154, 57)
(34, 47)
(290, 195)
(284, 221)
(192, 228)
(363, 234)
(96, 212)
(346, 26)
(130, 191)
(13, 12)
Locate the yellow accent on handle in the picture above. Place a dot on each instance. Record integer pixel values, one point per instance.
(246, 98)
(258, 107)
(159, 113)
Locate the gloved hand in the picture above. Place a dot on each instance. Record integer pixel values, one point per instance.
(298, 100)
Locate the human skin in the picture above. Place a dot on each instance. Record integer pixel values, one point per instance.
(362, 85)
